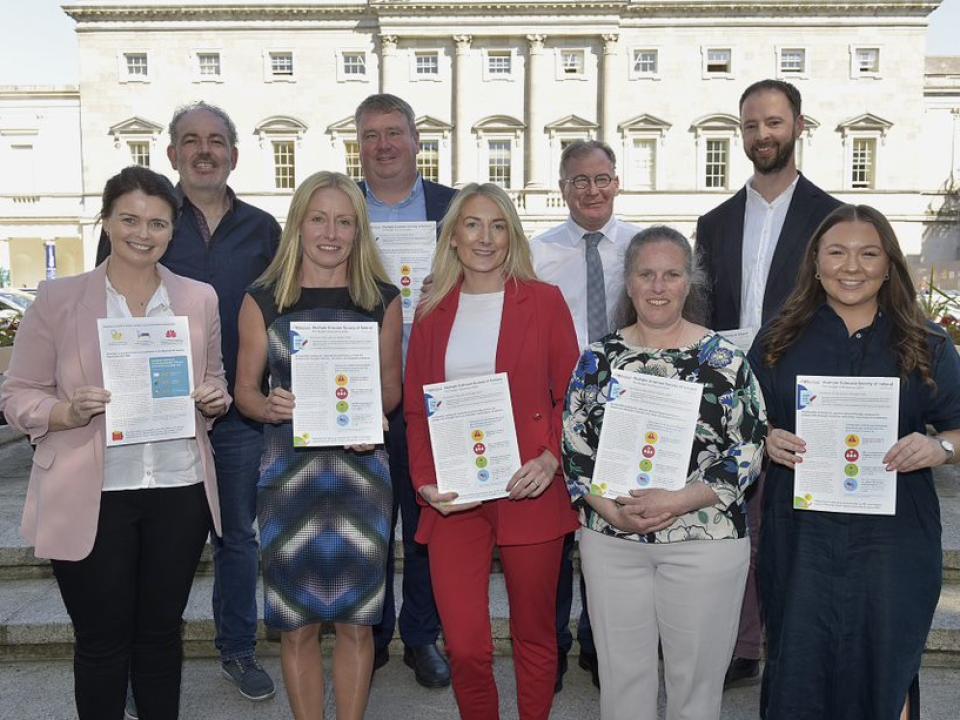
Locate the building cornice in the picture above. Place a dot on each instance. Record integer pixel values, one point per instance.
(92, 12)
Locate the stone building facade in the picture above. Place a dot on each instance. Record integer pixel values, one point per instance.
(499, 86)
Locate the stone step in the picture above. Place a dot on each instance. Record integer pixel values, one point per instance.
(34, 624)
(17, 560)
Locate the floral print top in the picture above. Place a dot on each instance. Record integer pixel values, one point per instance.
(727, 445)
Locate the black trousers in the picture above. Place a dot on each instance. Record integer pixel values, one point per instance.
(126, 600)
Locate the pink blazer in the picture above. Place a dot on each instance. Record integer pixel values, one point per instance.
(537, 348)
(56, 351)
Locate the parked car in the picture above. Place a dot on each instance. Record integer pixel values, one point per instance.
(18, 300)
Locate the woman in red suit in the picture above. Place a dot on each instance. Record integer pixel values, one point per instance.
(487, 314)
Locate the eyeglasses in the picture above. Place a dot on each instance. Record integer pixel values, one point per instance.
(582, 182)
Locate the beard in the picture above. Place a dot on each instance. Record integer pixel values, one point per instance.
(777, 162)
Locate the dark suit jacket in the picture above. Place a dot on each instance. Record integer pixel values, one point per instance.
(437, 198)
(720, 249)
(537, 348)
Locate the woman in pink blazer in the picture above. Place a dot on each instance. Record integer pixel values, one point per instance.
(123, 526)
(487, 313)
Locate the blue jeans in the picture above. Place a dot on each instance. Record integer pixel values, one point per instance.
(237, 447)
(419, 621)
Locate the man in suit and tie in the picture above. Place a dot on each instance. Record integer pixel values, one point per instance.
(584, 257)
(396, 192)
(750, 246)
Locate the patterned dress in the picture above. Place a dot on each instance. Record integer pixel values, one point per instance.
(727, 445)
(324, 513)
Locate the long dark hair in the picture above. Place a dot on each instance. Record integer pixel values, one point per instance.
(695, 306)
(129, 180)
(897, 297)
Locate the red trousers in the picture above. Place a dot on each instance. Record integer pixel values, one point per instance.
(461, 550)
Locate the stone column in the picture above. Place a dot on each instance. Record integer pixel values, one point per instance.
(461, 128)
(388, 62)
(606, 118)
(534, 102)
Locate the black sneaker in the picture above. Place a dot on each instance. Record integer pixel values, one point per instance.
(588, 661)
(741, 672)
(249, 676)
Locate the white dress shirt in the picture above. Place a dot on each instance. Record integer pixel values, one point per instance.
(559, 258)
(472, 347)
(762, 223)
(169, 463)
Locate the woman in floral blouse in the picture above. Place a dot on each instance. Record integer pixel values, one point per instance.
(666, 567)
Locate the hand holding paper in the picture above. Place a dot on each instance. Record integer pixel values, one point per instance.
(784, 447)
(86, 402)
(279, 406)
(210, 399)
(913, 452)
(533, 478)
(444, 503)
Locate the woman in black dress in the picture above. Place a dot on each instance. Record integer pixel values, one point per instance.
(324, 513)
(848, 598)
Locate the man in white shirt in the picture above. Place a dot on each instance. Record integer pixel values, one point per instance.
(749, 247)
(584, 257)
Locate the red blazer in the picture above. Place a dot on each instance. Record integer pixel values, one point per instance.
(538, 350)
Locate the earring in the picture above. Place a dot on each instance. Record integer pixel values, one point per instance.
(886, 276)
(817, 274)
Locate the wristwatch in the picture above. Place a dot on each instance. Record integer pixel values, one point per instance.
(948, 448)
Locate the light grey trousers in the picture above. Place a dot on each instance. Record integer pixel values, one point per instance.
(684, 595)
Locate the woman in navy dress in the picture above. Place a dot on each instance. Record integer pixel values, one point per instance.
(848, 599)
(324, 513)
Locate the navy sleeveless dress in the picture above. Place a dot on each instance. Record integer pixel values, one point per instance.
(324, 513)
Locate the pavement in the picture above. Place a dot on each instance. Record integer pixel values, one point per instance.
(43, 691)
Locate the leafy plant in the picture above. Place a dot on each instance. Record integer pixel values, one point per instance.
(943, 309)
(8, 329)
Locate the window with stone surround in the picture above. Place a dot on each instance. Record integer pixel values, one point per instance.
(284, 165)
(499, 162)
(426, 64)
(139, 152)
(791, 62)
(351, 160)
(279, 66)
(428, 160)
(716, 165)
(645, 63)
(864, 61)
(208, 64)
(717, 62)
(134, 66)
(571, 64)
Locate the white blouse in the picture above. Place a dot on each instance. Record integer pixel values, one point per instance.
(472, 348)
(169, 463)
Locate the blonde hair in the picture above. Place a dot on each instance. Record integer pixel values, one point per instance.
(447, 268)
(364, 266)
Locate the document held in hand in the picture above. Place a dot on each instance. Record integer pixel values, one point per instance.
(848, 424)
(473, 436)
(148, 369)
(335, 381)
(647, 434)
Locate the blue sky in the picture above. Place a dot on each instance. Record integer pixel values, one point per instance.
(40, 37)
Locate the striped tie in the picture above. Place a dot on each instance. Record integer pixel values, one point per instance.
(596, 291)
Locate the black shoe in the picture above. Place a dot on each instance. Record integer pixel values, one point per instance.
(429, 665)
(561, 669)
(381, 656)
(741, 672)
(588, 661)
